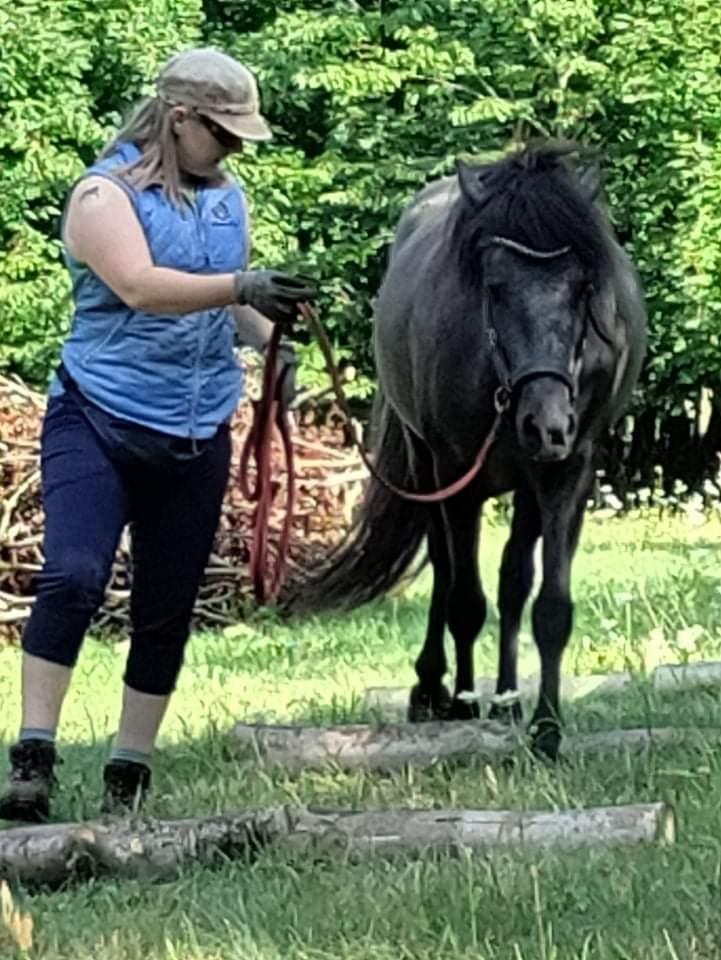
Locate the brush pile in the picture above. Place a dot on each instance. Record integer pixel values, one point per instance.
(329, 480)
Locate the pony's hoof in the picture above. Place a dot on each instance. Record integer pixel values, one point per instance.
(545, 740)
(465, 710)
(425, 706)
(509, 714)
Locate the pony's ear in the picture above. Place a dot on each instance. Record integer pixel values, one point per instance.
(590, 180)
(470, 179)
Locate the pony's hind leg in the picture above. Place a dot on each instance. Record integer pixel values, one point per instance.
(457, 600)
(514, 586)
(466, 603)
(430, 700)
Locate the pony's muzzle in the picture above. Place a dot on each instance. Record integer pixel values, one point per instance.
(546, 420)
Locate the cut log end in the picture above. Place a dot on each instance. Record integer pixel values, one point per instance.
(666, 830)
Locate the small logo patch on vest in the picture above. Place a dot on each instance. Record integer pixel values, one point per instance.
(220, 211)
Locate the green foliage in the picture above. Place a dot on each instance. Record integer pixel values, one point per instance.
(368, 101)
(68, 71)
(665, 90)
(47, 118)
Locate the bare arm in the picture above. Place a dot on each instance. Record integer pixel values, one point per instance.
(103, 231)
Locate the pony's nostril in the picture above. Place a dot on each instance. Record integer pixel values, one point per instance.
(571, 425)
(531, 433)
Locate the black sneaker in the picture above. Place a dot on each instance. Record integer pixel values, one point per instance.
(126, 783)
(31, 782)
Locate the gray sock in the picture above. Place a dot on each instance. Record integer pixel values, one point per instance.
(36, 733)
(134, 756)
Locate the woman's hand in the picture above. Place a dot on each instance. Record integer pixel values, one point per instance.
(274, 294)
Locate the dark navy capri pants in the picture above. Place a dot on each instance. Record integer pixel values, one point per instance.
(89, 497)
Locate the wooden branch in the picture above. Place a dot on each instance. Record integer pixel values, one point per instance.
(54, 853)
(25, 444)
(17, 616)
(213, 616)
(392, 746)
(318, 447)
(35, 541)
(311, 395)
(11, 499)
(672, 676)
(13, 384)
(23, 567)
(336, 463)
(342, 479)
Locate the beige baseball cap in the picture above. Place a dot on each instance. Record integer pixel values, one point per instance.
(217, 86)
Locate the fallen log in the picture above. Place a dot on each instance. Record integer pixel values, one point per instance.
(394, 745)
(52, 854)
(417, 831)
(393, 701)
(674, 676)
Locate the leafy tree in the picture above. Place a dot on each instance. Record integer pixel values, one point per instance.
(369, 100)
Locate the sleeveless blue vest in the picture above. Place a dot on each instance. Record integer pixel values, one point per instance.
(176, 374)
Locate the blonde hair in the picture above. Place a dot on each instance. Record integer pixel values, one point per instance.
(151, 128)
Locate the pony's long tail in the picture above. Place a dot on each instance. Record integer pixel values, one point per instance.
(384, 538)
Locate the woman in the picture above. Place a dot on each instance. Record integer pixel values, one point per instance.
(156, 239)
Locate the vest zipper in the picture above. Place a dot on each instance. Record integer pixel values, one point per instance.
(195, 393)
(202, 331)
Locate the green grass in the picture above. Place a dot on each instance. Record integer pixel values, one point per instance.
(647, 591)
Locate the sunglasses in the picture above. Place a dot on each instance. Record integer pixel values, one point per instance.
(224, 137)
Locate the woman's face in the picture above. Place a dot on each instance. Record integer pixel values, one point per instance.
(201, 144)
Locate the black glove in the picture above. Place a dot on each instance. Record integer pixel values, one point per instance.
(286, 366)
(276, 295)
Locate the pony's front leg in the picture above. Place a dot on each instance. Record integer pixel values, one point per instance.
(514, 586)
(562, 495)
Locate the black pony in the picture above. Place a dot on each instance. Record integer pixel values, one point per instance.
(510, 322)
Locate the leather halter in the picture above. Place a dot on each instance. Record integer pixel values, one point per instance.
(509, 382)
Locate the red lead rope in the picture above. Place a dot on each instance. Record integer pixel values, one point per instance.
(267, 413)
(436, 496)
